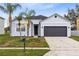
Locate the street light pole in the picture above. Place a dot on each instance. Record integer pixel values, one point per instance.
(24, 45)
(24, 41)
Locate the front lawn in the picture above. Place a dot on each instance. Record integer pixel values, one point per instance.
(19, 52)
(75, 38)
(8, 41)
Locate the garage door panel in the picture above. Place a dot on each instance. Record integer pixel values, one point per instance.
(55, 31)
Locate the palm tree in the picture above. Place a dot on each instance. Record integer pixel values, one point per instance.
(77, 9)
(28, 14)
(9, 8)
(71, 16)
(19, 18)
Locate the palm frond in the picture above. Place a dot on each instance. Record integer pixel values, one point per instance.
(2, 8)
(15, 6)
(19, 18)
(22, 14)
(31, 13)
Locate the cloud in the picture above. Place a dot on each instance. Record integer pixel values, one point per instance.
(39, 6)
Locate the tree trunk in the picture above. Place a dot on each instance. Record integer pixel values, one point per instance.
(19, 28)
(28, 29)
(76, 24)
(10, 22)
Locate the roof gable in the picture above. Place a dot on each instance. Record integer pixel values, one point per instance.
(56, 18)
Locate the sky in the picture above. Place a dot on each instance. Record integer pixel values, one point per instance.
(46, 9)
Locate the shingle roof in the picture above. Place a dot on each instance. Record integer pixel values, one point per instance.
(38, 17)
(1, 17)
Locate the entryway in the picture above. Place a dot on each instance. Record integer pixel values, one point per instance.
(36, 30)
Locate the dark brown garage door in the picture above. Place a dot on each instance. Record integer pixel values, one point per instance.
(55, 31)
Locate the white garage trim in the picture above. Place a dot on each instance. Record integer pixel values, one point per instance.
(68, 28)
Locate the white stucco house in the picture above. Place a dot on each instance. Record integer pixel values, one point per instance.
(55, 25)
(2, 25)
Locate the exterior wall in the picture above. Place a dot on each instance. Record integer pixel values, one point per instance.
(39, 30)
(17, 33)
(2, 26)
(53, 19)
(56, 22)
(31, 28)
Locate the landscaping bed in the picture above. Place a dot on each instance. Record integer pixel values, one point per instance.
(8, 41)
(20, 52)
(75, 38)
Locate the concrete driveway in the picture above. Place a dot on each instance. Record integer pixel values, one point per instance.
(62, 46)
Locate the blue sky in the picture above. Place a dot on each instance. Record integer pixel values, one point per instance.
(46, 9)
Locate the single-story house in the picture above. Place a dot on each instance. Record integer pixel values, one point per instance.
(55, 25)
(2, 25)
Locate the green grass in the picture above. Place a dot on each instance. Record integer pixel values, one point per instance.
(75, 38)
(8, 41)
(3, 38)
(19, 52)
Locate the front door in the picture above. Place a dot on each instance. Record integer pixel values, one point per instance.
(36, 29)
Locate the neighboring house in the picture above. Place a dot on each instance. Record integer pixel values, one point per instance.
(2, 25)
(73, 25)
(54, 25)
(77, 24)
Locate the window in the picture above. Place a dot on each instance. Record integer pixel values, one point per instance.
(22, 27)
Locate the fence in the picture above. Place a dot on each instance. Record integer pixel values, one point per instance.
(75, 33)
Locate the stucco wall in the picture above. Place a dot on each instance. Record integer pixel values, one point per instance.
(17, 33)
(31, 29)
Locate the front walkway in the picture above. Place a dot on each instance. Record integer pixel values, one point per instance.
(62, 46)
